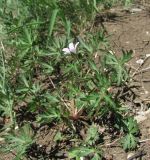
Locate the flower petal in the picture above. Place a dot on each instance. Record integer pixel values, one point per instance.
(72, 48)
(66, 50)
(71, 45)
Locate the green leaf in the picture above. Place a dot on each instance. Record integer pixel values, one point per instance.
(24, 79)
(93, 65)
(47, 68)
(58, 136)
(127, 55)
(89, 49)
(28, 36)
(129, 142)
(131, 125)
(117, 67)
(49, 115)
(80, 152)
(97, 157)
(92, 134)
(94, 4)
(52, 22)
(67, 27)
(51, 98)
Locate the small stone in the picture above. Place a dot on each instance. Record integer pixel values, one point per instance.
(147, 55)
(2, 139)
(40, 145)
(140, 61)
(136, 10)
(146, 92)
(130, 155)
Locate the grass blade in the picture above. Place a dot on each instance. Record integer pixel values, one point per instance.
(52, 23)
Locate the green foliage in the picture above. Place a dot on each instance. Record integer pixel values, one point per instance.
(79, 152)
(129, 142)
(117, 66)
(52, 22)
(19, 141)
(92, 135)
(6, 102)
(49, 115)
(58, 137)
(128, 2)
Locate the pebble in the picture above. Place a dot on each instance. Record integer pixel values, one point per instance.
(147, 55)
(140, 61)
(133, 10)
(130, 155)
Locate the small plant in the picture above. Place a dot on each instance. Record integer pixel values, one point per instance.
(130, 141)
(81, 152)
(6, 102)
(19, 142)
(92, 135)
(117, 66)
